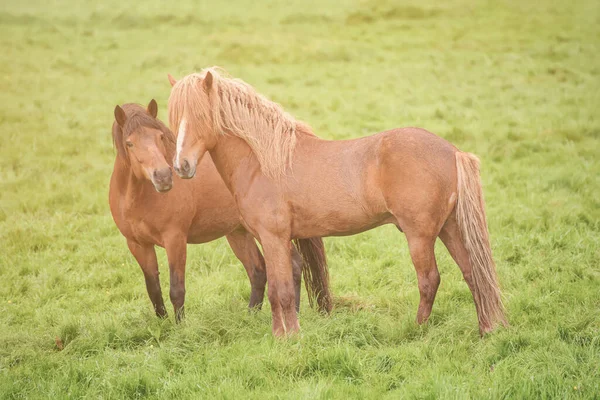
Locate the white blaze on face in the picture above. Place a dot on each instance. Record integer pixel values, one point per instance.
(180, 138)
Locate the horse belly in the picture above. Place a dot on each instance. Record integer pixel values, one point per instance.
(344, 220)
(199, 235)
(359, 226)
(345, 201)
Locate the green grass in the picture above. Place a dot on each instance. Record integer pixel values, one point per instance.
(517, 83)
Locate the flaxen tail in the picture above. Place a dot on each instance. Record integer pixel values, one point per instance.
(470, 215)
(315, 272)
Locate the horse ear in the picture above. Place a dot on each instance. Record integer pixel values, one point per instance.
(120, 116)
(172, 80)
(152, 108)
(207, 81)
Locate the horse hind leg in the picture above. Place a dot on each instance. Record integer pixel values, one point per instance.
(452, 239)
(423, 257)
(421, 229)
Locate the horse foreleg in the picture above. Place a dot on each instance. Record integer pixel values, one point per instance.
(282, 297)
(176, 254)
(244, 247)
(297, 263)
(146, 258)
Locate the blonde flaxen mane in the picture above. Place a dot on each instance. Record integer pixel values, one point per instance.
(231, 106)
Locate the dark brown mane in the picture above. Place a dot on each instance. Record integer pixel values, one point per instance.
(138, 117)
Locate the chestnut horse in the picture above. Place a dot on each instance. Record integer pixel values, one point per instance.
(149, 210)
(289, 184)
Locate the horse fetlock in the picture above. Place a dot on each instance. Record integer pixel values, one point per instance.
(256, 297)
(179, 313)
(160, 311)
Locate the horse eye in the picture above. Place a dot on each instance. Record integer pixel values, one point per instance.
(129, 144)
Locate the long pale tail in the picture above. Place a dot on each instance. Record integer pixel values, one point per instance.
(315, 272)
(470, 213)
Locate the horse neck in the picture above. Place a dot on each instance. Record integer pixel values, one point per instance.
(232, 156)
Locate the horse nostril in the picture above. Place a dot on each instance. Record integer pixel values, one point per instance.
(162, 176)
(185, 167)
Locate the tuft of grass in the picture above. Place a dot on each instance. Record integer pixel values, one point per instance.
(516, 83)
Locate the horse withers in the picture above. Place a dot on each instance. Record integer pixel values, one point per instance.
(288, 184)
(152, 207)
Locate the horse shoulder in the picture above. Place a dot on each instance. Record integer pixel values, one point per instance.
(116, 202)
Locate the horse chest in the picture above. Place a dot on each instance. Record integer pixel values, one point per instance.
(139, 225)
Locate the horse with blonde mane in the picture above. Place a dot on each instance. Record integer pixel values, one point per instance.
(150, 211)
(289, 184)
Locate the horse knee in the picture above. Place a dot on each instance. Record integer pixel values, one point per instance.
(281, 297)
(287, 299)
(273, 296)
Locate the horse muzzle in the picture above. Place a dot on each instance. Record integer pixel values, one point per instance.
(162, 180)
(185, 170)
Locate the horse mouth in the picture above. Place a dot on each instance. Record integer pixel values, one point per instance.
(188, 176)
(163, 188)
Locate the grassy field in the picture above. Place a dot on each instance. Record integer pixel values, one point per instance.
(515, 82)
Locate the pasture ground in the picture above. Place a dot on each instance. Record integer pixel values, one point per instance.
(516, 82)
